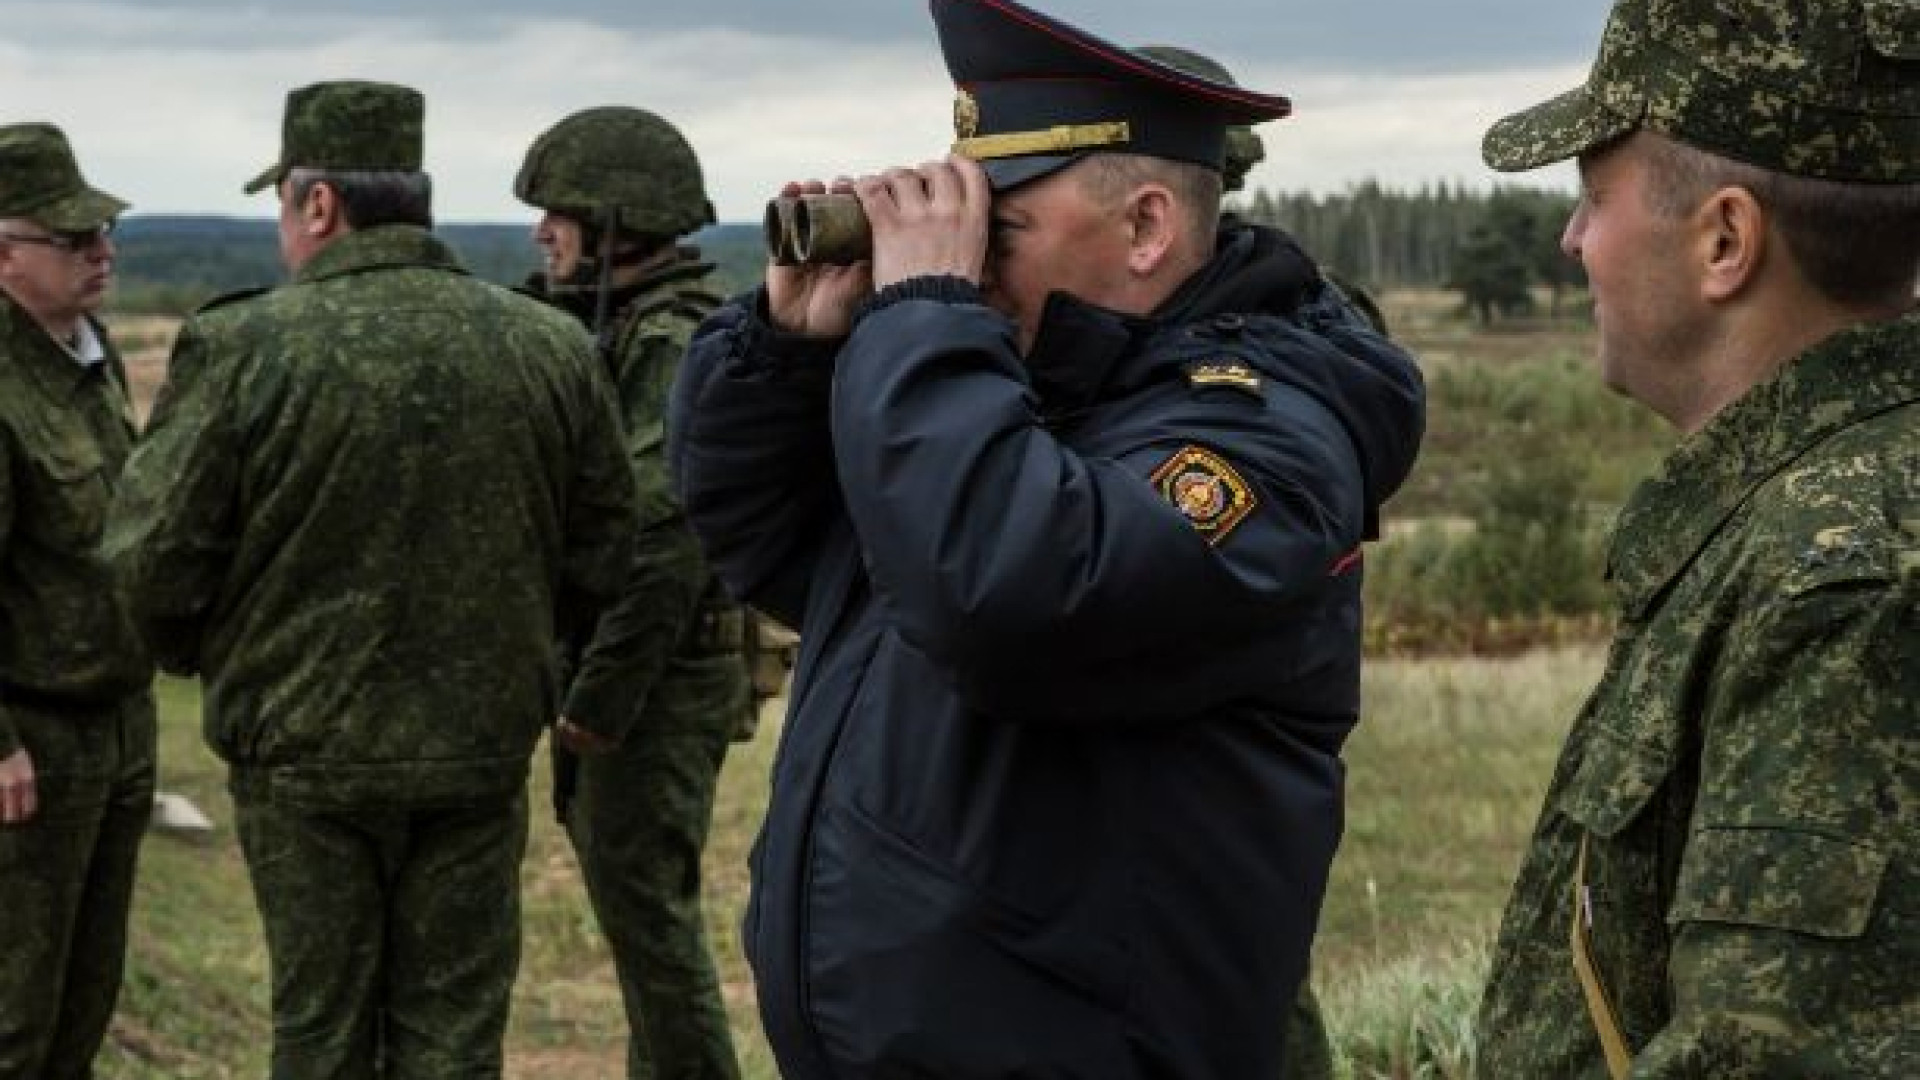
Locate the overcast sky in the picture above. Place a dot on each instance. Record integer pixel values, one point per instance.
(174, 104)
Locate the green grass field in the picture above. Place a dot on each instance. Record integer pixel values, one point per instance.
(1446, 773)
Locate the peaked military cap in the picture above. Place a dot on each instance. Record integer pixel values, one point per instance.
(1036, 94)
(40, 181)
(1829, 90)
(1244, 147)
(348, 124)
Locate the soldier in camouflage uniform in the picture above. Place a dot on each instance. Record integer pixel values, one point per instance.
(76, 718)
(363, 501)
(1722, 882)
(659, 686)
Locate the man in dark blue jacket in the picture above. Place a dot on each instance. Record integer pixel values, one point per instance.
(1065, 493)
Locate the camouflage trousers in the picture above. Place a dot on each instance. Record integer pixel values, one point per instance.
(66, 884)
(638, 822)
(393, 935)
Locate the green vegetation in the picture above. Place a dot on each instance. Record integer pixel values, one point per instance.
(1390, 239)
(1496, 541)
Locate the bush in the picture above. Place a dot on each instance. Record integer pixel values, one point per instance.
(1522, 570)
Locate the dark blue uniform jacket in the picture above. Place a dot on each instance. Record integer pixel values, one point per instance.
(1060, 784)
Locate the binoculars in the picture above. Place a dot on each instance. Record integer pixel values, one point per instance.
(820, 229)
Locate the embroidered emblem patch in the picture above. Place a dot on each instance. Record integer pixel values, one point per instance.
(966, 115)
(1228, 373)
(1201, 485)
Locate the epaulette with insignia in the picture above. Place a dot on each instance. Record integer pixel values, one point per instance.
(233, 297)
(1231, 374)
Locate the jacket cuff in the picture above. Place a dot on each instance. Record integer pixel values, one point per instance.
(9, 738)
(599, 710)
(940, 288)
(782, 349)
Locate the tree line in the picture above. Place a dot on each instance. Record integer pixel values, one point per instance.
(1494, 247)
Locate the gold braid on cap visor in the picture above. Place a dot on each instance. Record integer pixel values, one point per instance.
(1055, 140)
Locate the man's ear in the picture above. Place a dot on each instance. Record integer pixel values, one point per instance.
(1731, 241)
(321, 215)
(1154, 217)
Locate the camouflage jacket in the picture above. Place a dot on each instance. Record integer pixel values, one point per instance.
(65, 431)
(362, 503)
(672, 619)
(1746, 776)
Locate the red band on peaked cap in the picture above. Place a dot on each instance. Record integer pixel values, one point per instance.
(987, 41)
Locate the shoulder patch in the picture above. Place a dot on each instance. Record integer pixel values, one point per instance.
(1201, 485)
(1839, 554)
(233, 297)
(1231, 374)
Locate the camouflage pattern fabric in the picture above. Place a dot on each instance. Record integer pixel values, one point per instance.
(617, 161)
(348, 125)
(440, 888)
(73, 681)
(638, 822)
(458, 441)
(65, 434)
(66, 883)
(1828, 90)
(662, 675)
(362, 502)
(1747, 773)
(39, 179)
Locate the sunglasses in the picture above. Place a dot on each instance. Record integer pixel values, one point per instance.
(71, 241)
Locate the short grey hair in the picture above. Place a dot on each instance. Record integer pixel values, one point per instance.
(1858, 243)
(371, 197)
(1111, 177)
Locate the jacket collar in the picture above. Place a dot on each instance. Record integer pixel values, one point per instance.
(378, 248)
(1082, 352)
(48, 363)
(1856, 374)
(1078, 349)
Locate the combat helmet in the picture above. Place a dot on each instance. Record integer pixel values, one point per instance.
(1244, 147)
(617, 164)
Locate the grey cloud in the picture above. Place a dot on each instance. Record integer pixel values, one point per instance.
(1363, 36)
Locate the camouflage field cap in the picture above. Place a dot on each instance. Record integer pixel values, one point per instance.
(1827, 89)
(40, 181)
(1245, 148)
(348, 124)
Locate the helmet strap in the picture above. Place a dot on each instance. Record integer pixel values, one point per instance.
(603, 288)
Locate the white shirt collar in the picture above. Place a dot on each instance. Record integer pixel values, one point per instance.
(87, 349)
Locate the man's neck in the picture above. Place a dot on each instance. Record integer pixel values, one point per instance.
(65, 331)
(1768, 335)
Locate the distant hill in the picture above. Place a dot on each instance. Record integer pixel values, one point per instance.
(170, 264)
